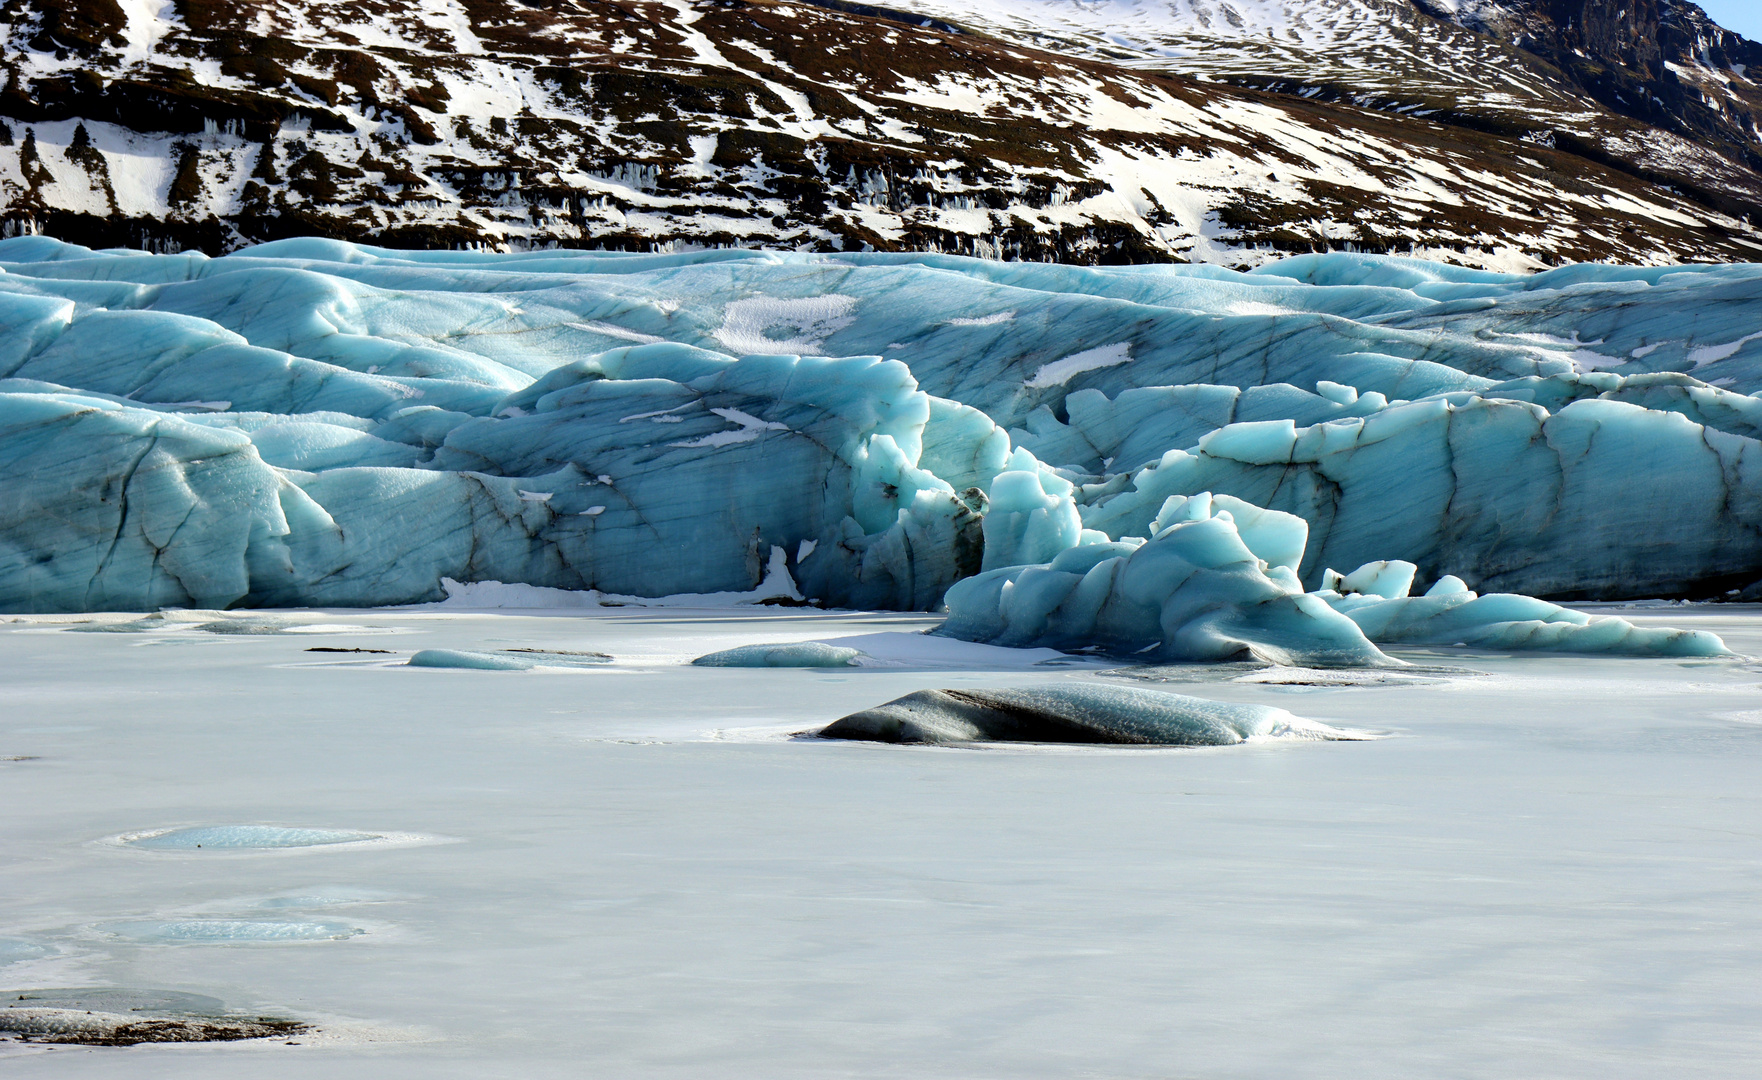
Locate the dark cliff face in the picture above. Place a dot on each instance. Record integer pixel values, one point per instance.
(1647, 59)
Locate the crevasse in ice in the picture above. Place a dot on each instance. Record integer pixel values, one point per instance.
(317, 423)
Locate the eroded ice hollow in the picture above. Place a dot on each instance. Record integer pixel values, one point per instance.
(313, 423)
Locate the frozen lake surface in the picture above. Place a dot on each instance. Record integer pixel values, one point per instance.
(630, 870)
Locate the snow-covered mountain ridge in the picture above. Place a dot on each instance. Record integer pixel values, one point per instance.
(1032, 129)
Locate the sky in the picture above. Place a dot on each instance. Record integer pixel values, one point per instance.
(1743, 16)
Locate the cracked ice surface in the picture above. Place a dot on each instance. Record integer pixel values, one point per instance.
(311, 422)
(1548, 870)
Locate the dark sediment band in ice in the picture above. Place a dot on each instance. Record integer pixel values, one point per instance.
(120, 1017)
(1079, 713)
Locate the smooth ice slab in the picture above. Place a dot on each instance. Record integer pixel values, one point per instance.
(1078, 713)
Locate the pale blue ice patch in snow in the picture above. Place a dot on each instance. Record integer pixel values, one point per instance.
(245, 837)
(15, 950)
(229, 931)
(802, 654)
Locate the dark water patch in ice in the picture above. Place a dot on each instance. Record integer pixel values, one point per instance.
(1079, 713)
(333, 649)
(229, 931)
(802, 654)
(244, 838)
(112, 1016)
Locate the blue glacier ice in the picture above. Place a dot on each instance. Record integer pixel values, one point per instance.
(1197, 590)
(316, 423)
(1217, 581)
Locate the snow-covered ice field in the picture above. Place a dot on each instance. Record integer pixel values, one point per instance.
(629, 870)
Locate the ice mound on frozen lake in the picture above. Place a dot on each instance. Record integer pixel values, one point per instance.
(317, 423)
(504, 659)
(1218, 581)
(784, 654)
(469, 660)
(1075, 713)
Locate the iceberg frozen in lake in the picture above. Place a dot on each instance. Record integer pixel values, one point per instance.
(808, 654)
(1078, 713)
(315, 423)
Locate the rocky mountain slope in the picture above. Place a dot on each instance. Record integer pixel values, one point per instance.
(1036, 129)
(1653, 88)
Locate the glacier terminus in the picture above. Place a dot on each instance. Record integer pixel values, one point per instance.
(315, 423)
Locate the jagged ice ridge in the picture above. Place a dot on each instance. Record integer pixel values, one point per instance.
(317, 423)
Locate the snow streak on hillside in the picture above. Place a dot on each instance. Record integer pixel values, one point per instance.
(1505, 67)
(651, 123)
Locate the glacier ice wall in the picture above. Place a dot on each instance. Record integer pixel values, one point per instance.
(1075, 713)
(314, 422)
